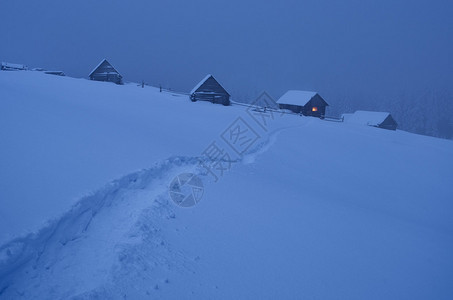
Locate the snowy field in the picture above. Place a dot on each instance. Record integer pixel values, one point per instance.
(311, 210)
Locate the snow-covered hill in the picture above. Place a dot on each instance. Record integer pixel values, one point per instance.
(311, 209)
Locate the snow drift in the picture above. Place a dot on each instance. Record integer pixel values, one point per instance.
(313, 209)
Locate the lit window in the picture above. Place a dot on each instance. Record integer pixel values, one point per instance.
(314, 109)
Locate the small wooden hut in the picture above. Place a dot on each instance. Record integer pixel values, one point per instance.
(372, 118)
(304, 102)
(106, 72)
(209, 89)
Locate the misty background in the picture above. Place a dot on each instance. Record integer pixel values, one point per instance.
(392, 56)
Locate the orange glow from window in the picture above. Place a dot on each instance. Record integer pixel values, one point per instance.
(314, 109)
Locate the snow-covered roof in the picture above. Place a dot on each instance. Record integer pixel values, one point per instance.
(13, 66)
(200, 83)
(371, 118)
(95, 68)
(104, 60)
(296, 97)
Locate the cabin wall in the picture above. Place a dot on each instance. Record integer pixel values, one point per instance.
(321, 112)
(389, 123)
(213, 97)
(211, 91)
(305, 110)
(317, 102)
(389, 127)
(106, 72)
(110, 77)
(294, 108)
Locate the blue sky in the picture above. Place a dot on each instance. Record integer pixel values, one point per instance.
(369, 47)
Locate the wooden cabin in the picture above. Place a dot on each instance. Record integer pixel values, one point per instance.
(303, 102)
(106, 72)
(209, 89)
(6, 66)
(377, 119)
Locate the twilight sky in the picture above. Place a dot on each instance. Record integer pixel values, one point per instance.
(369, 47)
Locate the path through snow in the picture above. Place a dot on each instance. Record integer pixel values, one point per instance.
(110, 243)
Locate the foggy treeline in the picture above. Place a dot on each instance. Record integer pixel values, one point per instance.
(428, 113)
